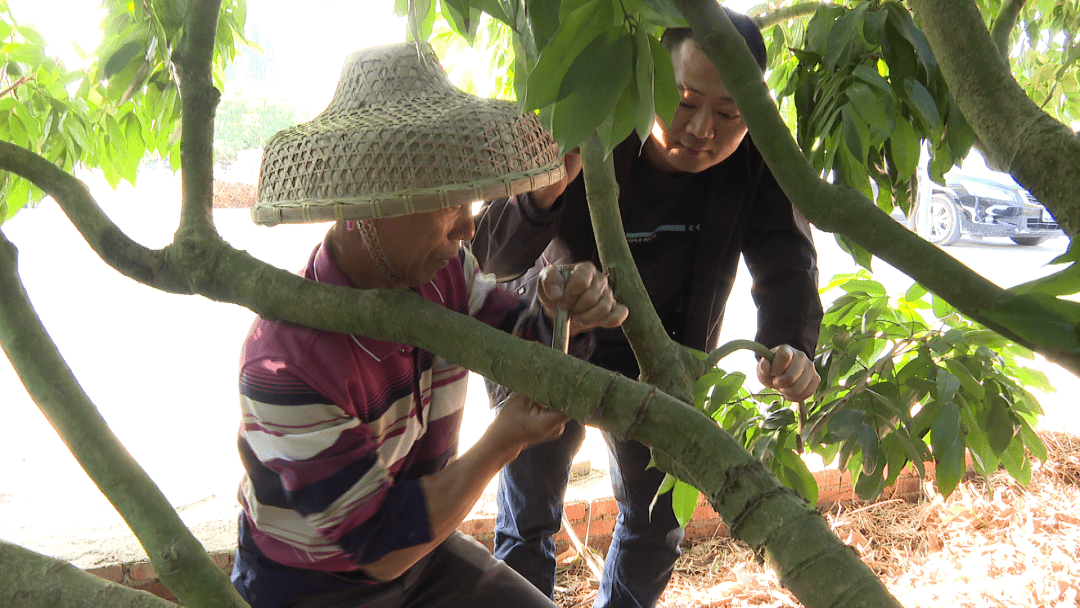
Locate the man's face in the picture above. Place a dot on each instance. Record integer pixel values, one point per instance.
(419, 245)
(706, 128)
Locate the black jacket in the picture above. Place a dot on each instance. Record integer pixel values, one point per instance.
(740, 210)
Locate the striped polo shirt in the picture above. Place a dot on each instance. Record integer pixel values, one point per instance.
(338, 428)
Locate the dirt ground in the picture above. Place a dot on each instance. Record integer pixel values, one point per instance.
(991, 544)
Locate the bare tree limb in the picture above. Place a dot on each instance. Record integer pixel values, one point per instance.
(29, 579)
(181, 562)
(770, 18)
(1004, 22)
(1040, 152)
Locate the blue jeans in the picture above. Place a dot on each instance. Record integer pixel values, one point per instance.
(643, 547)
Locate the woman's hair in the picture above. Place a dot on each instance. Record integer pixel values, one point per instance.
(674, 36)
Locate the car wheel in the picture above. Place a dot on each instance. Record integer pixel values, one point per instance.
(1028, 241)
(942, 224)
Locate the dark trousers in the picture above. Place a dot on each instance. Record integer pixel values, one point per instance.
(459, 572)
(644, 547)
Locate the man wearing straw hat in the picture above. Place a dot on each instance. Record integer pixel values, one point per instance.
(352, 494)
(697, 197)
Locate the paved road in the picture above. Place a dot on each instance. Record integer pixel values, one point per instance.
(162, 368)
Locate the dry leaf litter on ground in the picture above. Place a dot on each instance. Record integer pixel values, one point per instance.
(991, 544)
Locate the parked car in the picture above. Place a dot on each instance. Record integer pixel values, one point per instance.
(979, 202)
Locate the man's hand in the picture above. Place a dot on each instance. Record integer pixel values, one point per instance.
(545, 197)
(521, 422)
(585, 293)
(791, 372)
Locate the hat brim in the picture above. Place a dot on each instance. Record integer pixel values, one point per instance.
(394, 204)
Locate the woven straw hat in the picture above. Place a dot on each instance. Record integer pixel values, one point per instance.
(399, 138)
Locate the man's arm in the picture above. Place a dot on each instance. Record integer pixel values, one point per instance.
(512, 233)
(452, 492)
(779, 252)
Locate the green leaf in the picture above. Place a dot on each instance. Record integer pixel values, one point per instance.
(663, 13)
(778, 419)
(1040, 319)
(915, 292)
(947, 386)
(868, 443)
(665, 89)
(899, 54)
(868, 286)
(122, 57)
(684, 499)
(846, 424)
(948, 448)
(19, 135)
(905, 146)
(869, 107)
(861, 256)
(793, 473)
(1017, 463)
(544, 20)
(1000, 428)
(967, 380)
(900, 19)
(581, 27)
(600, 75)
(644, 75)
(856, 133)
(922, 103)
(458, 14)
(941, 308)
(1062, 283)
(840, 38)
(871, 77)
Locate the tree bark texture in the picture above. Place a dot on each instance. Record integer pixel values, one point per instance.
(181, 562)
(32, 580)
(1040, 152)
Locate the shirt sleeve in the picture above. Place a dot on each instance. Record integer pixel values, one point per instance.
(512, 233)
(778, 248)
(494, 305)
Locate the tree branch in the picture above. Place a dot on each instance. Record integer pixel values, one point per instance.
(194, 67)
(770, 18)
(1001, 30)
(31, 579)
(663, 362)
(131, 259)
(181, 562)
(1040, 152)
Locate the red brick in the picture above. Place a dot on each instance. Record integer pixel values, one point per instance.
(705, 512)
(831, 497)
(112, 572)
(141, 572)
(705, 529)
(607, 506)
(602, 527)
(157, 588)
(829, 478)
(575, 511)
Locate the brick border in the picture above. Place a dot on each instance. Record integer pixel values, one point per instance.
(593, 522)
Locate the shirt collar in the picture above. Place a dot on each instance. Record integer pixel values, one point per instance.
(322, 267)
